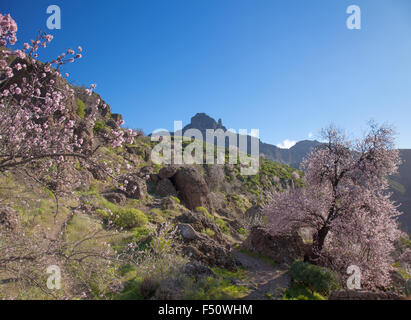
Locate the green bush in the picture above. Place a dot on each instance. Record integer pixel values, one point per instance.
(205, 211)
(176, 200)
(215, 289)
(406, 241)
(242, 231)
(129, 218)
(312, 277)
(299, 292)
(223, 225)
(81, 108)
(124, 217)
(99, 125)
(209, 232)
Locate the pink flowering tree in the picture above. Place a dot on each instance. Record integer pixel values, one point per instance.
(40, 132)
(43, 137)
(345, 204)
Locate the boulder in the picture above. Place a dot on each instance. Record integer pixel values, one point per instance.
(200, 247)
(199, 221)
(193, 188)
(154, 178)
(167, 171)
(211, 253)
(115, 197)
(187, 232)
(136, 187)
(283, 249)
(215, 176)
(215, 254)
(165, 188)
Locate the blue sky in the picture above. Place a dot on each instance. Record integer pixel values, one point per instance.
(286, 67)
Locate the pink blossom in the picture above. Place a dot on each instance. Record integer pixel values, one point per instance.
(19, 54)
(345, 204)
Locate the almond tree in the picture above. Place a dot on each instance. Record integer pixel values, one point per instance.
(346, 204)
(40, 131)
(42, 137)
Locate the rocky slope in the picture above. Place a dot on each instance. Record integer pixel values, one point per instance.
(210, 208)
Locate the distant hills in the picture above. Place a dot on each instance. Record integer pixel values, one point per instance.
(400, 184)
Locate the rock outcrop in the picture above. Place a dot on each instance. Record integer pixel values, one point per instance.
(115, 197)
(165, 188)
(283, 249)
(200, 247)
(192, 187)
(136, 187)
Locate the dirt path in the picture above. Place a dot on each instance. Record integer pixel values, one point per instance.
(266, 281)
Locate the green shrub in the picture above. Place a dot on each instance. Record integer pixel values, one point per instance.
(223, 225)
(406, 241)
(312, 277)
(102, 213)
(242, 231)
(209, 232)
(129, 218)
(141, 232)
(205, 211)
(299, 292)
(215, 289)
(99, 125)
(176, 199)
(156, 215)
(81, 108)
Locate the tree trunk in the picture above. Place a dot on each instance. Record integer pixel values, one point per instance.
(318, 243)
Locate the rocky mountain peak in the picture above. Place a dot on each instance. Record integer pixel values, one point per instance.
(202, 121)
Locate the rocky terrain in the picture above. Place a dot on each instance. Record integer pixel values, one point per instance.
(206, 220)
(209, 209)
